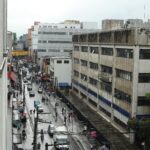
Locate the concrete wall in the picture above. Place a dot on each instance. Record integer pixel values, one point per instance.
(3, 76)
(128, 39)
(63, 71)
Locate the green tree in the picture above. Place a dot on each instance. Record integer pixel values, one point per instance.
(142, 131)
(147, 96)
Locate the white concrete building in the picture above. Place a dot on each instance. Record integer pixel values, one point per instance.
(111, 73)
(4, 132)
(55, 39)
(60, 70)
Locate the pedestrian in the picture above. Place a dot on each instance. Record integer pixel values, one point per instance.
(85, 129)
(65, 120)
(34, 111)
(69, 115)
(62, 110)
(38, 146)
(31, 111)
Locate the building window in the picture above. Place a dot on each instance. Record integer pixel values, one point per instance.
(84, 63)
(144, 77)
(125, 53)
(144, 53)
(93, 66)
(93, 81)
(54, 50)
(83, 77)
(143, 101)
(59, 61)
(94, 50)
(44, 41)
(41, 50)
(107, 87)
(84, 49)
(76, 73)
(59, 42)
(105, 111)
(107, 51)
(92, 102)
(76, 48)
(122, 95)
(55, 33)
(124, 74)
(39, 41)
(76, 61)
(106, 69)
(67, 50)
(66, 61)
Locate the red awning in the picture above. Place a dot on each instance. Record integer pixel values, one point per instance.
(13, 76)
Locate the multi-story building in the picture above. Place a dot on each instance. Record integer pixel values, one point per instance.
(4, 132)
(60, 69)
(55, 39)
(112, 24)
(111, 73)
(115, 24)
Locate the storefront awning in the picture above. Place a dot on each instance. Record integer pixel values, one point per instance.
(13, 76)
(63, 84)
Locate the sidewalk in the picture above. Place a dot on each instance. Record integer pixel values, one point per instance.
(74, 126)
(116, 139)
(27, 143)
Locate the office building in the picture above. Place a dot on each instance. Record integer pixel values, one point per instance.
(55, 39)
(111, 73)
(60, 69)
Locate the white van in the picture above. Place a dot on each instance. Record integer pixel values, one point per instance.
(61, 139)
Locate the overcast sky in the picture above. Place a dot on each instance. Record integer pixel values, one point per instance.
(23, 13)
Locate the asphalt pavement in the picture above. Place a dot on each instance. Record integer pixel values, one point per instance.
(73, 125)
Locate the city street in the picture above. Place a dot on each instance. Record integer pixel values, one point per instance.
(73, 126)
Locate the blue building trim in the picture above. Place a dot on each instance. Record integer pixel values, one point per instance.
(63, 84)
(82, 86)
(143, 116)
(107, 102)
(122, 111)
(104, 100)
(92, 93)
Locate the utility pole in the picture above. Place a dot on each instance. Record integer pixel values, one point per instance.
(35, 131)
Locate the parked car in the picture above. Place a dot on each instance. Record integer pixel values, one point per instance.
(31, 94)
(43, 98)
(29, 87)
(28, 77)
(16, 120)
(40, 90)
(25, 80)
(38, 105)
(40, 108)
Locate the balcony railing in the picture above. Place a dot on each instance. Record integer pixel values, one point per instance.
(105, 76)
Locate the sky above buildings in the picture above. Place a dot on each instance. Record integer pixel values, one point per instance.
(23, 13)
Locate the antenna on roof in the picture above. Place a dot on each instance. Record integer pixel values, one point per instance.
(144, 12)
